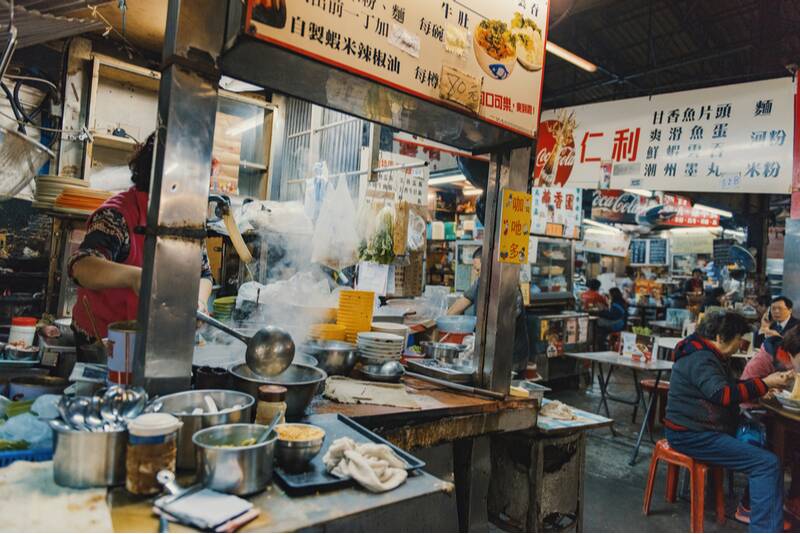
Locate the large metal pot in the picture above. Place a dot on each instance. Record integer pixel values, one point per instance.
(89, 459)
(301, 383)
(234, 469)
(443, 352)
(182, 404)
(333, 357)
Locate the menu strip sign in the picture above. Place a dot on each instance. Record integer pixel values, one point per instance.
(730, 139)
(649, 252)
(481, 57)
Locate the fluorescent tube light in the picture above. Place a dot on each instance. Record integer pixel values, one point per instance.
(566, 55)
(721, 213)
(641, 192)
(447, 179)
(472, 192)
(601, 225)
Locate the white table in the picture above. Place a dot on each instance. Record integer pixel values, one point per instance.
(614, 359)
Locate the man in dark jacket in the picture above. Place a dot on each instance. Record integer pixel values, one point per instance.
(778, 320)
(702, 412)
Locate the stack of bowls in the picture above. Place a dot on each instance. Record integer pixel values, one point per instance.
(223, 307)
(326, 332)
(80, 200)
(355, 312)
(49, 187)
(377, 348)
(392, 328)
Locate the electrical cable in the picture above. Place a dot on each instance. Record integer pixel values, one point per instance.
(19, 118)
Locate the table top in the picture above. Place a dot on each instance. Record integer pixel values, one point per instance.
(436, 402)
(665, 325)
(665, 342)
(615, 358)
(587, 421)
(279, 511)
(774, 407)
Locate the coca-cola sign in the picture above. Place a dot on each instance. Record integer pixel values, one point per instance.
(553, 169)
(618, 206)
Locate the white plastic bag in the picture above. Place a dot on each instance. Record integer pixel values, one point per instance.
(335, 241)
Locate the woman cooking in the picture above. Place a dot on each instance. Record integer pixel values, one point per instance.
(108, 265)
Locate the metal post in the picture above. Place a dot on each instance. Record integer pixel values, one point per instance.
(499, 285)
(187, 105)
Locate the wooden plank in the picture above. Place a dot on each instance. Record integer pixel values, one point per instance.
(774, 407)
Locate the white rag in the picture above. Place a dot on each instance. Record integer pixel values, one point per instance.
(375, 466)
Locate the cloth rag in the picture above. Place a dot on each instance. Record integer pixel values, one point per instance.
(349, 391)
(373, 465)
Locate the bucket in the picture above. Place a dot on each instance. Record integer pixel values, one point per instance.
(122, 341)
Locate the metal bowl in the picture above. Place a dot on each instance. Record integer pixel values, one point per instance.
(301, 383)
(237, 470)
(334, 357)
(305, 359)
(89, 459)
(443, 352)
(294, 456)
(233, 406)
(378, 373)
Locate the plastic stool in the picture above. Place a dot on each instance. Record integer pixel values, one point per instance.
(697, 476)
(648, 384)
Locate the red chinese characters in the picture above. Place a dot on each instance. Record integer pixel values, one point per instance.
(626, 144)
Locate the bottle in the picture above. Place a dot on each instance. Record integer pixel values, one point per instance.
(271, 400)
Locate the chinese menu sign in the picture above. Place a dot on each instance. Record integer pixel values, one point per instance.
(481, 57)
(556, 212)
(515, 217)
(735, 138)
(409, 184)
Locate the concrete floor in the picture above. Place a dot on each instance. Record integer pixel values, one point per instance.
(614, 490)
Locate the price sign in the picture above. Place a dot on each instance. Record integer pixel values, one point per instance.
(515, 221)
(459, 87)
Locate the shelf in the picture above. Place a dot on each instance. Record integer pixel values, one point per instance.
(114, 142)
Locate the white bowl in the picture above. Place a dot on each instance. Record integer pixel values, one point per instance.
(499, 69)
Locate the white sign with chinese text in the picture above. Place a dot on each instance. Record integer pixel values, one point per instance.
(735, 138)
(483, 57)
(556, 212)
(408, 184)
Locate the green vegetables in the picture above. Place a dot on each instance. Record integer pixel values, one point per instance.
(13, 445)
(18, 408)
(380, 246)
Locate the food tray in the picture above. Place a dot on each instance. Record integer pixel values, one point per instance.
(317, 478)
(434, 369)
(28, 455)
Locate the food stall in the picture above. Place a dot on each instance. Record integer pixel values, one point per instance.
(469, 99)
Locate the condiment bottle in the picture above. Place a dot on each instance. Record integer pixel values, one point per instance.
(152, 446)
(271, 400)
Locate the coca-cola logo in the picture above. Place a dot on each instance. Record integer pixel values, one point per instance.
(623, 203)
(552, 169)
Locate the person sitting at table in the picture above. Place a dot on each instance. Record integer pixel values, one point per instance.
(614, 318)
(776, 321)
(592, 299)
(694, 285)
(702, 413)
(713, 298)
(776, 354)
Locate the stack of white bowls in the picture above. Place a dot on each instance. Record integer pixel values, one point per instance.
(392, 328)
(48, 188)
(379, 347)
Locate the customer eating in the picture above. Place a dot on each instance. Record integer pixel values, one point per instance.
(702, 412)
(592, 299)
(776, 354)
(613, 319)
(108, 264)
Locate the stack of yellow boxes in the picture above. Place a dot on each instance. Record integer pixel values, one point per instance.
(327, 332)
(355, 313)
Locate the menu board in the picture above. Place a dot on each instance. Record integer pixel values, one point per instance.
(515, 219)
(731, 139)
(722, 251)
(649, 252)
(557, 212)
(409, 184)
(481, 57)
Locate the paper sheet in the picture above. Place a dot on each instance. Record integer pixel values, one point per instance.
(349, 391)
(373, 277)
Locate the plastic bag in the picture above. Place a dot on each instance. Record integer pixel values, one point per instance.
(316, 190)
(379, 246)
(417, 229)
(335, 241)
(28, 427)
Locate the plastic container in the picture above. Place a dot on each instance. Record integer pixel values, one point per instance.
(456, 324)
(23, 329)
(152, 446)
(28, 455)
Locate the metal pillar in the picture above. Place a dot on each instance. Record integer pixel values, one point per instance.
(791, 257)
(187, 105)
(499, 281)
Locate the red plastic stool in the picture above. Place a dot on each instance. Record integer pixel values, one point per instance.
(648, 385)
(697, 477)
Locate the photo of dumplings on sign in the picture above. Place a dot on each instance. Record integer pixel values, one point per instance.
(499, 46)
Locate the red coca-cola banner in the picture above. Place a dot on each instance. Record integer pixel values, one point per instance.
(613, 205)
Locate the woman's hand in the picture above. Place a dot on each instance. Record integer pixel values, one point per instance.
(779, 380)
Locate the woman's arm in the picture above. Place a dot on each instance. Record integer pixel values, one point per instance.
(93, 272)
(459, 306)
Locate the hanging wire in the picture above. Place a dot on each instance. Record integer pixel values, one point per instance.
(32, 79)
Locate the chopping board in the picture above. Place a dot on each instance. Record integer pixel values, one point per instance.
(31, 501)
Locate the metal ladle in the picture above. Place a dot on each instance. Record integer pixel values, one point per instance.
(270, 351)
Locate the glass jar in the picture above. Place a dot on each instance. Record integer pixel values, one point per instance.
(271, 401)
(152, 446)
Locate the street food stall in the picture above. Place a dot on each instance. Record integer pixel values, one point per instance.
(455, 76)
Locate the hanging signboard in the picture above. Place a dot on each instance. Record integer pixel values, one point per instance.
(515, 220)
(614, 205)
(605, 242)
(482, 57)
(557, 212)
(735, 138)
(409, 184)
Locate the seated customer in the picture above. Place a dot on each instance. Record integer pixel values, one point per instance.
(592, 299)
(714, 298)
(694, 285)
(614, 318)
(776, 354)
(778, 320)
(702, 413)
